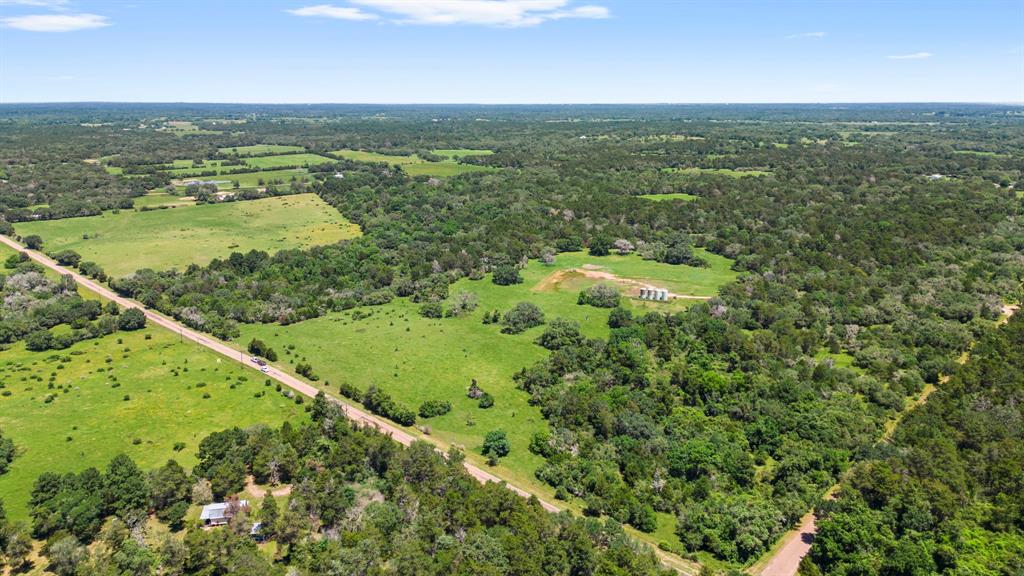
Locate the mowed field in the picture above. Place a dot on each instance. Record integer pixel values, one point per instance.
(176, 392)
(415, 166)
(161, 239)
(417, 359)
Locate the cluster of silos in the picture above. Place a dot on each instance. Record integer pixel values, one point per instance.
(656, 294)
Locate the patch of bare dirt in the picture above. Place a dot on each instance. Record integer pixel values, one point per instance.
(629, 286)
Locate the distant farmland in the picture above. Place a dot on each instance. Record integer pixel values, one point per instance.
(414, 165)
(260, 149)
(176, 237)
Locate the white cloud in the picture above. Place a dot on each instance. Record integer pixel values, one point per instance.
(55, 22)
(337, 12)
(506, 13)
(914, 56)
(37, 3)
(807, 35)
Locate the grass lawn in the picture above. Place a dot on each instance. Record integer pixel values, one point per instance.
(260, 149)
(417, 359)
(89, 421)
(160, 239)
(414, 165)
(742, 173)
(265, 162)
(672, 196)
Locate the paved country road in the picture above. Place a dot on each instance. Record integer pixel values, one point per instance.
(294, 383)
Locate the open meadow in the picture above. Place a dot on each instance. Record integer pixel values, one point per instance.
(415, 166)
(123, 242)
(142, 393)
(271, 162)
(260, 149)
(416, 359)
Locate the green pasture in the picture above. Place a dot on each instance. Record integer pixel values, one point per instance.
(417, 359)
(123, 242)
(177, 392)
(460, 152)
(271, 162)
(260, 149)
(252, 179)
(156, 199)
(414, 165)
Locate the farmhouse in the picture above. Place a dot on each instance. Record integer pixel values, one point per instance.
(219, 513)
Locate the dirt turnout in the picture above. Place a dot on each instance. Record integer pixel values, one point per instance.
(629, 286)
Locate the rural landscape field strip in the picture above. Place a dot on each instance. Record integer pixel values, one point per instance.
(359, 416)
(194, 234)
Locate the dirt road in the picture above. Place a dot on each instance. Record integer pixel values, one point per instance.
(299, 386)
(795, 544)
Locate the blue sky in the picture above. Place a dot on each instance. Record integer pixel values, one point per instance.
(516, 51)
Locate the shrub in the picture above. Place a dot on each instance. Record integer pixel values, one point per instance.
(506, 275)
(131, 319)
(486, 400)
(600, 296)
(432, 408)
(559, 334)
(521, 317)
(496, 445)
(432, 310)
(33, 242)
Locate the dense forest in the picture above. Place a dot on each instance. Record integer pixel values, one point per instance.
(947, 494)
(875, 244)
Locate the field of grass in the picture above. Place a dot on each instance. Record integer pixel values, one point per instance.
(672, 196)
(260, 149)
(270, 162)
(251, 179)
(459, 152)
(89, 421)
(743, 173)
(160, 239)
(364, 156)
(414, 165)
(154, 199)
(417, 359)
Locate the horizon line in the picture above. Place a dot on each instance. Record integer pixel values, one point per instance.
(595, 103)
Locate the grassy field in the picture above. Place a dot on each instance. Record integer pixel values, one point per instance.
(417, 359)
(89, 421)
(414, 165)
(672, 196)
(161, 239)
(744, 173)
(251, 179)
(364, 156)
(270, 162)
(260, 149)
(154, 199)
(460, 152)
